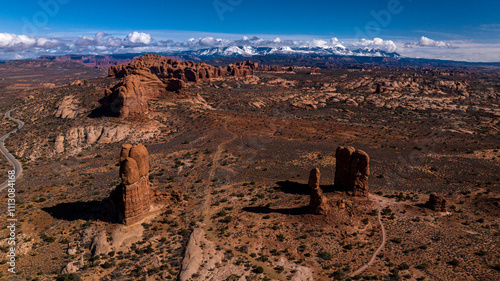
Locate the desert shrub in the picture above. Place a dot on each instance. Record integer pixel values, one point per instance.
(68, 277)
(454, 262)
(325, 255)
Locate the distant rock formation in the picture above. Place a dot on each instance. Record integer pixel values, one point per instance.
(134, 196)
(163, 67)
(129, 98)
(152, 76)
(436, 203)
(352, 170)
(378, 90)
(242, 69)
(318, 203)
(314, 70)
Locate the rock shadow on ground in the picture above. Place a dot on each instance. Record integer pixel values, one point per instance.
(88, 211)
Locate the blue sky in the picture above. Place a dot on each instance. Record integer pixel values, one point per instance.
(403, 20)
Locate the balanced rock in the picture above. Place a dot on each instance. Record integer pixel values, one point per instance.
(352, 170)
(318, 203)
(436, 203)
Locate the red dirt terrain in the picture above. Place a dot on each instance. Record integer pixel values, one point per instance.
(233, 156)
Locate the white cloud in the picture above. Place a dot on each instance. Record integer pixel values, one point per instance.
(207, 41)
(427, 42)
(377, 44)
(99, 39)
(47, 43)
(461, 51)
(204, 42)
(137, 39)
(13, 46)
(14, 42)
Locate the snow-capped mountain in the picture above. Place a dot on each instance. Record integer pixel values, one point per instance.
(249, 51)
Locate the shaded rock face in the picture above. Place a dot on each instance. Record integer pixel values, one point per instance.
(319, 203)
(134, 196)
(352, 170)
(436, 203)
(130, 96)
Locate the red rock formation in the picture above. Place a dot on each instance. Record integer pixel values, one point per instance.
(318, 203)
(152, 76)
(167, 68)
(130, 96)
(314, 70)
(436, 203)
(134, 196)
(352, 170)
(242, 69)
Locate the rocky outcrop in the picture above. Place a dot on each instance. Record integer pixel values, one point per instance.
(314, 70)
(436, 203)
(67, 107)
(318, 203)
(193, 256)
(163, 67)
(242, 69)
(76, 139)
(352, 170)
(151, 76)
(129, 98)
(100, 244)
(134, 196)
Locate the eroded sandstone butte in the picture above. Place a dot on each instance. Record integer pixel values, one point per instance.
(134, 197)
(153, 76)
(165, 68)
(352, 170)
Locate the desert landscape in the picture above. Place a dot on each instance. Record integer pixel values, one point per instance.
(166, 169)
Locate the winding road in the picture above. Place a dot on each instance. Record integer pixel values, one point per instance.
(17, 165)
(372, 260)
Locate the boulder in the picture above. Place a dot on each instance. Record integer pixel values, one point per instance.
(125, 153)
(140, 154)
(129, 171)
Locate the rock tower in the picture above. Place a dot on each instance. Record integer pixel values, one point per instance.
(352, 170)
(134, 196)
(319, 203)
